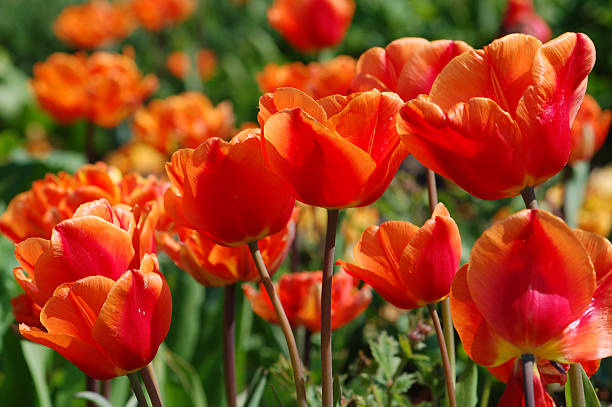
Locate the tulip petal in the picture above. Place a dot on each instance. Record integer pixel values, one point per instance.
(28, 251)
(525, 269)
(136, 316)
(81, 247)
(475, 138)
(300, 151)
(514, 394)
(290, 98)
(599, 250)
(100, 208)
(347, 300)
(260, 302)
(478, 338)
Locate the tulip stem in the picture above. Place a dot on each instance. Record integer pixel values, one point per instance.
(91, 385)
(137, 388)
(528, 360)
(90, 142)
(486, 391)
(575, 382)
(448, 373)
(296, 363)
(447, 322)
(306, 349)
(229, 357)
(529, 197)
(150, 382)
(105, 389)
(327, 380)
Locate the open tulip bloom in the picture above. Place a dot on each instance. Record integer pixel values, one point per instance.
(535, 286)
(497, 120)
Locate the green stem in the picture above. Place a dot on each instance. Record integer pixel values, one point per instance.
(296, 363)
(137, 388)
(327, 379)
(150, 382)
(450, 383)
(486, 391)
(229, 348)
(575, 382)
(528, 361)
(92, 386)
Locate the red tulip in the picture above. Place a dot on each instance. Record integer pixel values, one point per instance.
(497, 120)
(407, 66)
(211, 264)
(311, 24)
(514, 395)
(225, 191)
(521, 17)
(589, 130)
(409, 266)
(335, 152)
(300, 295)
(535, 286)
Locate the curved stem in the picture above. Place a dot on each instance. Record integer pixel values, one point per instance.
(150, 382)
(90, 142)
(486, 391)
(529, 197)
(296, 363)
(91, 385)
(229, 356)
(528, 360)
(327, 379)
(450, 383)
(575, 382)
(137, 388)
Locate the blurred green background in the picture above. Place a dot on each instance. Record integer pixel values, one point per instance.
(190, 362)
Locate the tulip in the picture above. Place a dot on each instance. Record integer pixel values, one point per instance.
(335, 152)
(521, 17)
(137, 157)
(497, 120)
(206, 62)
(589, 130)
(596, 212)
(94, 24)
(409, 266)
(549, 294)
(107, 328)
(156, 14)
(182, 121)
(214, 265)
(312, 24)
(407, 66)
(300, 295)
(179, 64)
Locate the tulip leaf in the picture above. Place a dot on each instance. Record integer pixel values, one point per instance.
(337, 391)
(467, 386)
(590, 395)
(36, 357)
(96, 398)
(187, 376)
(256, 388)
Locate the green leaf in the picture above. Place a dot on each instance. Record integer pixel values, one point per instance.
(404, 382)
(187, 376)
(257, 387)
(94, 397)
(18, 377)
(466, 390)
(574, 191)
(337, 391)
(385, 350)
(590, 396)
(36, 357)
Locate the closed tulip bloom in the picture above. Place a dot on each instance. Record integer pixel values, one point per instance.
(206, 63)
(182, 121)
(225, 191)
(521, 17)
(407, 66)
(157, 14)
(292, 75)
(214, 265)
(336, 152)
(497, 120)
(94, 24)
(179, 64)
(311, 24)
(300, 295)
(535, 286)
(107, 327)
(589, 130)
(407, 265)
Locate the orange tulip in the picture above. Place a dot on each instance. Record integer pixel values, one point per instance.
(335, 152)
(182, 121)
(409, 266)
(535, 286)
(156, 14)
(106, 327)
(497, 120)
(214, 265)
(35, 212)
(137, 157)
(179, 64)
(104, 88)
(206, 62)
(589, 130)
(300, 295)
(94, 24)
(521, 17)
(407, 66)
(317, 79)
(225, 191)
(312, 24)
